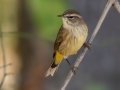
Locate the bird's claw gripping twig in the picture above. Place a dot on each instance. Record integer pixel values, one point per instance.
(72, 67)
(87, 45)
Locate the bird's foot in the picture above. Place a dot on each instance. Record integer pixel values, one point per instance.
(87, 45)
(73, 69)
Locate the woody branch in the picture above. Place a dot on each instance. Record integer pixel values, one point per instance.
(116, 4)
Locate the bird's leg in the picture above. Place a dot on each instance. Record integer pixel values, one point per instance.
(72, 68)
(68, 63)
(87, 45)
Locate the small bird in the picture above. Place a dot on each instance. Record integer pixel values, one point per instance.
(70, 38)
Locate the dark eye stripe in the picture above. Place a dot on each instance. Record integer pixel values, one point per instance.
(70, 16)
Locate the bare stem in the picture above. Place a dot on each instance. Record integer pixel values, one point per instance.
(6, 65)
(4, 59)
(117, 5)
(80, 57)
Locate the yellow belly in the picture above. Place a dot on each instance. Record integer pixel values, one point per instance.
(71, 45)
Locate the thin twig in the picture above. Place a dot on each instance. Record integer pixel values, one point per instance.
(6, 65)
(80, 57)
(117, 5)
(4, 59)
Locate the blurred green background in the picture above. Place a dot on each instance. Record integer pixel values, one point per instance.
(29, 29)
(44, 15)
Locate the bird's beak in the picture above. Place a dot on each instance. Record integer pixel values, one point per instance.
(60, 15)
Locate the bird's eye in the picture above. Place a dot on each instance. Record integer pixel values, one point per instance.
(70, 17)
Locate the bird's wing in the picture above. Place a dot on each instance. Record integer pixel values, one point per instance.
(59, 39)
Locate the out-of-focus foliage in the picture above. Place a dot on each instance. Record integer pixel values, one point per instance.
(44, 14)
(96, 86)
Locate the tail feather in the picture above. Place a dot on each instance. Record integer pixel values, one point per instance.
(51, 71)
(57, 58)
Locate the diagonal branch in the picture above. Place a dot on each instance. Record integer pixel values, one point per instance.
(117, 5)
(80, 57)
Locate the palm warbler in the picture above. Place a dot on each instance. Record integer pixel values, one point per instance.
(70, 38)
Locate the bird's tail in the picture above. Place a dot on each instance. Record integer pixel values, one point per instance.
(57, 58)
(51, 71)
